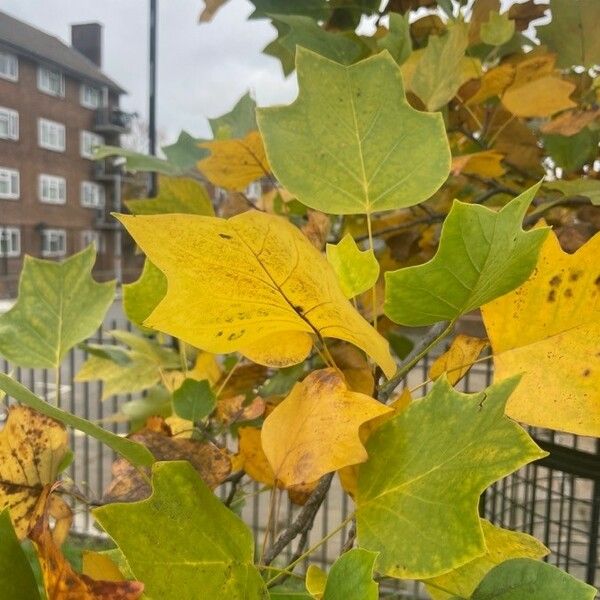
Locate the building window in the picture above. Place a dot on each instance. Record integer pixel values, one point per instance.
(89, 236)
(51, 135)
(254, 190)
(89, 96)
(89, 141)
(9, 66)
(9, 124)
(52, 189)
(92, 194)
(10, 242)
(51, 82)
(9, 184)
(54, 242)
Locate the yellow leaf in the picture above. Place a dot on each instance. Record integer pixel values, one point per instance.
(487, 163)
(233, 164)
(539, 98)
(315, 429)
(252, 284)
(32, 447)
(549, 330)
(493, 83)
(502, 545)
(355, 368)
(100, 566)
(316, 580)
(458, 359)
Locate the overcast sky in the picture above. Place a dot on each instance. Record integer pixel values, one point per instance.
(202, 68)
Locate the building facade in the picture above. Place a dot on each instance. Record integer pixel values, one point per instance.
(56, 105)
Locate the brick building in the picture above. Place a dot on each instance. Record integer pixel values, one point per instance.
(56, 105)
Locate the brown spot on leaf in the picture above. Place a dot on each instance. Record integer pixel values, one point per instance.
(568, 293)
(587, 373)
(551, 296)
(555, 281)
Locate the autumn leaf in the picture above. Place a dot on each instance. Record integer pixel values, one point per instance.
(497, 30)
(458, 359)
(61, 582)
(129, 484)
(175, 195)
(357, 270)
(540, 97)
(520, 578)
(32, 447)
(408, 499)
(502, 545)
(59, 305)
(482, 255)
(175, 539)
(487, 163)
(372, 153)
(268, 292)
(548, 329)
(98, 565)
(315, 429)
(211, 7)
(235, 163)
(571, 122)
(141, 297)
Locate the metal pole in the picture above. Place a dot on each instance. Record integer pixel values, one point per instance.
(152, 94)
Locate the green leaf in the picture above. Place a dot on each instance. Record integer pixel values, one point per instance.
(573, 32)
(397, 41)
(357, 271)
(354, 145)
(147, 358)
(194, 400)
(182, 541)
(185, 152)
(524, 578)
(418, 494)
(176, 195)
(570, 153)
(439, 73)
(59, 305)
(502, 545)
(589, 188)
(290, 590)
(136, 161)
(141, 297)
(237, 123)
(498, 30)
(482, 255)
(351, 577)
(282, 381)
(135, 453)
(16, 575)
(157, 402)
(293, 31)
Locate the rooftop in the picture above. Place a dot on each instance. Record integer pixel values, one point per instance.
(34, 43)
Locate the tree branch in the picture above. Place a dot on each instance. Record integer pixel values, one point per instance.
(304, 520)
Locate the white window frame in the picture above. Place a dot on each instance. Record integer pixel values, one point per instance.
(53, 129)
(51, 237)
(90, 96)
(88, 140)
(11, 117)
(96, 193)
(12, 66)
(52, 189)
(45, 77)
(12, 235)
(91, 236)
(13, 178)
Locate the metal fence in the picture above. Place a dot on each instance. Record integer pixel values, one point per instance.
(556, 499)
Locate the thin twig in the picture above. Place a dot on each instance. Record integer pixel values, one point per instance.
(234, 479)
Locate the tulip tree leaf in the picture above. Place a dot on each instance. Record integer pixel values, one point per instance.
(502, 545)
(427, 468)
(351, 577)
(184, 538)
(573, 33)
(397, 41)
(175, 195)
(589, 188)
(237, 123)
(141, 297)
(521, 578)
(16, 576)
(135, 453)
(59, 305)
(497, 30)
(194, 400)
(482, 255)
(253, 284)
(548, 330)
(354, 145)
(357, 270)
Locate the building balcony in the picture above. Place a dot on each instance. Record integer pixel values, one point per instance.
(113, 120)
(105, 169)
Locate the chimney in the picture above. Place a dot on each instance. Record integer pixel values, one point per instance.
(87, 39)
